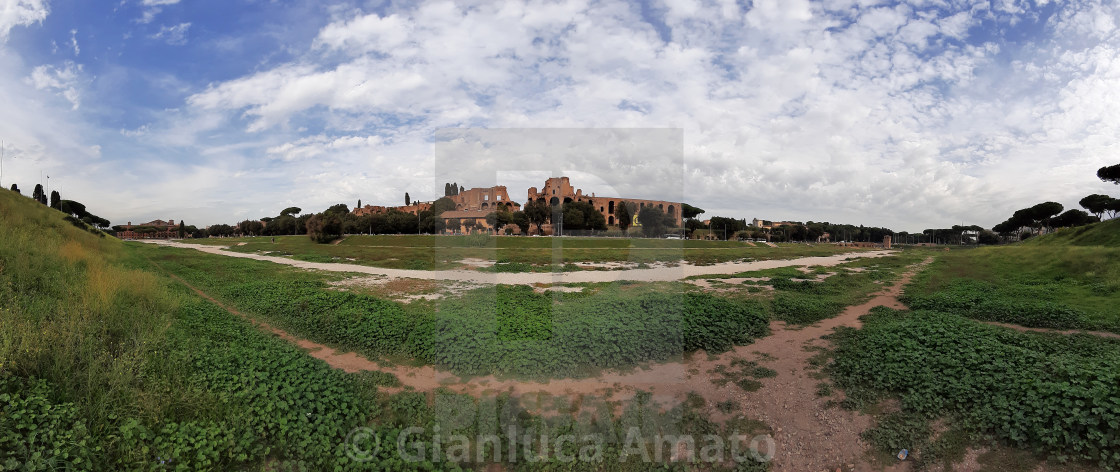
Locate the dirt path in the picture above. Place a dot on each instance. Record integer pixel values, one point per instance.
(655, 274)
(1025, 329)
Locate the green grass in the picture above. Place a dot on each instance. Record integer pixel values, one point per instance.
(108, 364)
(1069, 287)
(505, 330)
(1105, 233)
(427, 252)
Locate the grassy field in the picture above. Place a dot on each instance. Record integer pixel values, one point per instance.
(962, 383)
(1060, 286)
(521, 253)
(108, 364)
(504, 330)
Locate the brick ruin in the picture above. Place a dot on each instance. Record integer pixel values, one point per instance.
(474, 204)
(559, 190)
(163, 230)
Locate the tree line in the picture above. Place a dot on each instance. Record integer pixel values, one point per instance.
(1047, 216)
(74, 210)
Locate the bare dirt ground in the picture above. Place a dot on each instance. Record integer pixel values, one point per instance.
(652, 274)
(1025, 329)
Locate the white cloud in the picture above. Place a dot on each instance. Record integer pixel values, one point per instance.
(21, 13)
(314, 146)
(882, 115)
(152, 8)
(173, 35)
(74, 42)
(64, 80)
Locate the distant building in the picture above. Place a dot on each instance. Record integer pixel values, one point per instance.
(559, 190)
(414, 208)
(155, 229)
(474, 204)
(766, 224)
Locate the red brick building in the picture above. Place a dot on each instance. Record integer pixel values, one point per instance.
(162, 230)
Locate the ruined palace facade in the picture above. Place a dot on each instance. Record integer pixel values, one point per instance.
(472, 206)
(559, 190)
(155, 229)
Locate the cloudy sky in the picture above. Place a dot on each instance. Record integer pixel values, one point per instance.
(904, 114)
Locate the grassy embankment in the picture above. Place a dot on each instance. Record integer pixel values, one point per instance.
(514, 253)
(1049, 395)
(106, 364)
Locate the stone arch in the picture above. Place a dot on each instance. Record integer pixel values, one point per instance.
(555, 201)
(567, 199)
(661, 207)
(484, 205)
(672, 211)
(610, 220)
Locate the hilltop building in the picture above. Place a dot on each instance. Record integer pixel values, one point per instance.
(766, 224)
(559, 190)
(472, 206)
(155, 229)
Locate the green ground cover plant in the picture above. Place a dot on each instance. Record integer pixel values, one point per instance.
(505, 330)
(1065, 287)
(1055, 395)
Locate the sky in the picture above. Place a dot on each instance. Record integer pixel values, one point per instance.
(908, 115)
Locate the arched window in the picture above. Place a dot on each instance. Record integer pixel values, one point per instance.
(610, 220)
(672, 211)
(660, 207)
(484, 205)
(610, 207)
(567, 200)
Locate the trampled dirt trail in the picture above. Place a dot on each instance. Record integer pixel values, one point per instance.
(1025, 329)
(655, 274)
